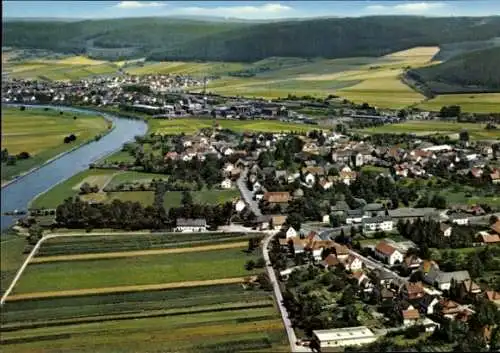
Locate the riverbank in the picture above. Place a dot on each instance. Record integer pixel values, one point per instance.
(17, 194)
(92, 138)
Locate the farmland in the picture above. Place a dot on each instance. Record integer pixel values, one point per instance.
(476, 131)
(11, 258)
(188, 314)
(211, 197)
(474, 103)
(141, 270)
(41, 134)
(190, 126)
(71, 68)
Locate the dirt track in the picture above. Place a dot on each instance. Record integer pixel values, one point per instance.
(121, 254)
(124, 289)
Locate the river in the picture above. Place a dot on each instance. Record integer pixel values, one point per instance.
(17, 195)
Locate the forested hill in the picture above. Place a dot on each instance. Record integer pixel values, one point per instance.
(477, 71)
(176, 39)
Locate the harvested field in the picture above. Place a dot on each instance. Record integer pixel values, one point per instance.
(112, 255)
(98, 180)
(123, 289)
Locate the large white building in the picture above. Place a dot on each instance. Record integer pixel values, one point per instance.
(191, 225)
(342, 337)
(373, 224)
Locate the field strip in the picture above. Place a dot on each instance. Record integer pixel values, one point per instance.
(125, 289)
(122, 254)
(141, 315)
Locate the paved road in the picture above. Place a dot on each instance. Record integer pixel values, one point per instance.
(292, 338)
(247, 194)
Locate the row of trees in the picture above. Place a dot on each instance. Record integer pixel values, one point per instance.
(75, 213)
(12, 159)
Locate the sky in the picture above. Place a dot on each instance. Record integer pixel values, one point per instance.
(251, 10)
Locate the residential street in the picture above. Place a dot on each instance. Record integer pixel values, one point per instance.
(247, 194)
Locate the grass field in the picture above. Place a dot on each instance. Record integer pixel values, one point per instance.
(190, 126)
(474, 103)
(210, 197)
(476, 131)
(120, 156)
(41, 134)
(142, 270)
(11, 258)
(135, 177)
(55, 196)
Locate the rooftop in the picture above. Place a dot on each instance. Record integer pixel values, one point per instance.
(346, 333)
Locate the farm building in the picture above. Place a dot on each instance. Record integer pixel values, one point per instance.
(191, 225)
(342, 337)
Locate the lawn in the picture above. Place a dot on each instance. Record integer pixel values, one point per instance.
(469, 102)
(190, 126)
(476, 131)
(121, 156)
(41, 134)
(134, 271)
(211, 197)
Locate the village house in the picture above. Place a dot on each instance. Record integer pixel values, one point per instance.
(448, 308)
(492, 296)
(411, 316)
(383, 223)
(486, 238)
(495, 227)
(354, 216)
(330, 261)
(353, 263)
(412, 262)
(191, 225)
(226, 184)
(445, 229)
(442, 280)
(277, 221)
(240, 205)
(469, 289)
(341, 251)
(388, 253)
(291, 233)
(412, 291)
(459, 218)
(277, 198)
(427, 304)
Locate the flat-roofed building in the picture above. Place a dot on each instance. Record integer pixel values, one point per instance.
(342, 337)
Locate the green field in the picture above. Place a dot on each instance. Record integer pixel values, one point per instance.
(474, 103)
(221, 318)
(476, 131)
(190, 126)
(11, 257)
(41, 134)
(210, 197)
(130, 242)
(117, 157)
(135, 177)
(71, 68)
(212, 331)
(133, 271)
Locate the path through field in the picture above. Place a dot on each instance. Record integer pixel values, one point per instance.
(122, 254)
(124, 289)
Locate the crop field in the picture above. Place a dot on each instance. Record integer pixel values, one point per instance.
(210, 197)
(186, 68)
(142, 270)
(190, 126)
(474, 103)
(70, 68)
(132, 242)
(41, 134)
(191, 302)
(476, 131)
